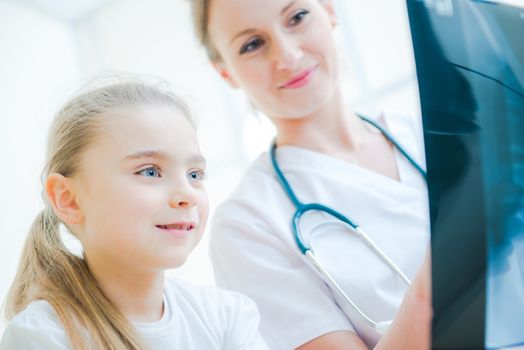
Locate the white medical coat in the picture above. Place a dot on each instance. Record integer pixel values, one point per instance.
(253, 249)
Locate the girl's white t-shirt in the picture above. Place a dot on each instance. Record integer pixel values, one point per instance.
(195, 317)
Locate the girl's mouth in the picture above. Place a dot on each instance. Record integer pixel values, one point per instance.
(182, 226)
(178, 229)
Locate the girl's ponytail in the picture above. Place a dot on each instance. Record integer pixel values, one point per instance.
(23, 289)
(49, 271)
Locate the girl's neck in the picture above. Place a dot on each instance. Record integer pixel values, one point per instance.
(332, 129)
(138, 295)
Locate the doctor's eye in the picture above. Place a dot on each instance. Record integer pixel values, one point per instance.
(150, 172)
(298, 17)
(251, 45)
(197, 175)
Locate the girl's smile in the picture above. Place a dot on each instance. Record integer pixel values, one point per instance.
(179, 229)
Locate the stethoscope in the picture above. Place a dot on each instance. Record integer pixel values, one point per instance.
(301, 208)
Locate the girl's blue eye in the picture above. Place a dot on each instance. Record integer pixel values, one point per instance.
(298, 17)
(251, 45)
(150, 172)
(196, 175)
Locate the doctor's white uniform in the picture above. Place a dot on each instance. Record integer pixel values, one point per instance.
(254, 252)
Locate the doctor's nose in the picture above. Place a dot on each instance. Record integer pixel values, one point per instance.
(287, 53)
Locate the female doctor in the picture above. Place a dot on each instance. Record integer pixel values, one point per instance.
(283, 55)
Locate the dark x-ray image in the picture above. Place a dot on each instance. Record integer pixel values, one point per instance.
(470, 68)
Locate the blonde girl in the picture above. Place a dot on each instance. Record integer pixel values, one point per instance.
(124, 174)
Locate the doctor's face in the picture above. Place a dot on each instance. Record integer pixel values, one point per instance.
(282, 53)
(140, 188)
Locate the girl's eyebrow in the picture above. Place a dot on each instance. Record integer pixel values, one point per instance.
(147, 154)
(159, 155)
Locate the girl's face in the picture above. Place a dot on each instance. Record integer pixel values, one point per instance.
(140, 189)
(282, 53)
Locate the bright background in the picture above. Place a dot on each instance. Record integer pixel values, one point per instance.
(49, 47)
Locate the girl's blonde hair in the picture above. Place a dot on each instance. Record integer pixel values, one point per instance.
(48, 270)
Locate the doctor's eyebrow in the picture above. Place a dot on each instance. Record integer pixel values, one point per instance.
(287, 7)
(251, 30)
(244, 32)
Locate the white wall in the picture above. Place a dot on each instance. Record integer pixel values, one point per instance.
(34, 51)
(379, 54)
(43, 59)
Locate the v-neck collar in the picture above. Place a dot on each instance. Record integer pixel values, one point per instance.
(405, 134)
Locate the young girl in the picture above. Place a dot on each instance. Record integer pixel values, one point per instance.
(283, 55)
(124, 175)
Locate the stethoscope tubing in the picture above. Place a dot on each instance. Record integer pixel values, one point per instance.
(301, 208)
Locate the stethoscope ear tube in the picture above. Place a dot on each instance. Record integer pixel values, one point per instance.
(382, 255)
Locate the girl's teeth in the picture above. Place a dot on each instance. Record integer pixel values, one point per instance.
(176, 227)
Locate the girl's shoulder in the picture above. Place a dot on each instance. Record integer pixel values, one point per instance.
(36, 327)
(230, 318)
(209, 300)
(38, 314)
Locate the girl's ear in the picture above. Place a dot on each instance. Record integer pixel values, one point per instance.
(330, 8)
(62, 198)
(220, 67)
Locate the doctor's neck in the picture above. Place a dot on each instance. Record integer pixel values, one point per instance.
(331, 129)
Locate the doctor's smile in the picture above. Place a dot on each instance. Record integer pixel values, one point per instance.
(301, 79)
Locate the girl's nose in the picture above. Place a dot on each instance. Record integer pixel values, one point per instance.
(181, 204)
(183, 197)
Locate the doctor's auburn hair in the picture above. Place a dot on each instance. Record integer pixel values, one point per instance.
(200, 12)
(48, 270)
